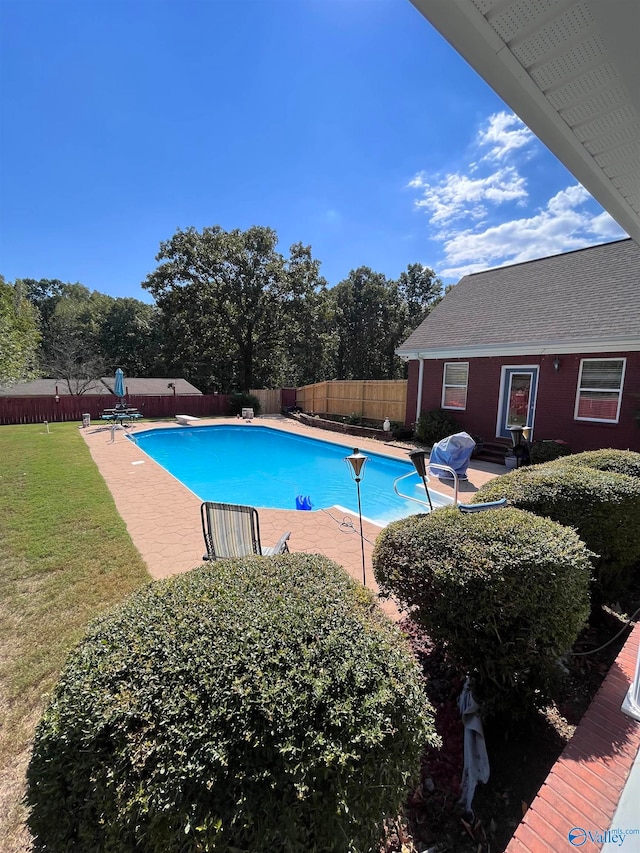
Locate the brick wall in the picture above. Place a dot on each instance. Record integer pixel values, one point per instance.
(554, 418)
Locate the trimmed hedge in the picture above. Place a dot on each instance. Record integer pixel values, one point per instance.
(436, 425)
(258, 704)
(603, 507)
(547, 450)
(619, 461)
(505, 590)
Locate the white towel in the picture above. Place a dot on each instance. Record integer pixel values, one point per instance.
(476, 759)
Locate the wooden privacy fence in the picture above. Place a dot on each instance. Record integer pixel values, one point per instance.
(269, 400)
(274, 400)
(31, 410)
(376, 399)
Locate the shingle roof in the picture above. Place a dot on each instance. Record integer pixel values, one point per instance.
(47, 388)
(133, 385)
(153, 387)
(564, 303)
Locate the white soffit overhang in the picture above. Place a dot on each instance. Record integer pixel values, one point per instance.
(531, 348)
(570, 69)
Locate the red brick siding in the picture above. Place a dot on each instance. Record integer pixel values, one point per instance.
(555, 400)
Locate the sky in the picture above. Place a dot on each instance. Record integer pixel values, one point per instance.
(347, 125)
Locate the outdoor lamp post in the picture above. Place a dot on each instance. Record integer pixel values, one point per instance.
(356, 462)
(520, 448)
(516, 435)
(419, 459)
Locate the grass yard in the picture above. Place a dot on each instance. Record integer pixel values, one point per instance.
(65, 557)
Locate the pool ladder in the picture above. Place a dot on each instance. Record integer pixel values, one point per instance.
(426, 481)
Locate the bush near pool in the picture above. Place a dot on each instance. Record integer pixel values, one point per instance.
(618, 461)
(253, 705)
(238, 402)
(507, 592)
(602, 506)
(435, 425)
(547, 450)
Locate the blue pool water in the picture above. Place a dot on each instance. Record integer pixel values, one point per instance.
(263, 467)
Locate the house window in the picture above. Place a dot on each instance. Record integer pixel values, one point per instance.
(600, 389)
(454, 385)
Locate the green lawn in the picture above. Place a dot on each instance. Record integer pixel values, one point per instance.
(65, 557)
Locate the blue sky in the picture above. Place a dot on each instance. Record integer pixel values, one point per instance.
(349, 125)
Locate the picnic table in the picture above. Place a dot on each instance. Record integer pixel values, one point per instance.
(121, 414)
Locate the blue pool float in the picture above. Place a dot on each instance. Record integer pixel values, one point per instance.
(303, 502)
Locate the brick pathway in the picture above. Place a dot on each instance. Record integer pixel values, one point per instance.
(584, 787)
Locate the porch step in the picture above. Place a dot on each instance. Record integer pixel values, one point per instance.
(494, 451)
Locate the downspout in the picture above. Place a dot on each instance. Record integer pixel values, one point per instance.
(420, 378)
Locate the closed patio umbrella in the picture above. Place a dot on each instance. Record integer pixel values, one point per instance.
(118, 388)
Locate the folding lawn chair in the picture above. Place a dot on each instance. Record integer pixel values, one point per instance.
(232, 530)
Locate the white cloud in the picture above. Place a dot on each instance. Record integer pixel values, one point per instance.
(458, 195)
(465, 207)
(606, 227)
(504, 133)
(418, 181)
(561, 226)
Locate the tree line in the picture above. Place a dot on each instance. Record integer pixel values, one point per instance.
(230, 313)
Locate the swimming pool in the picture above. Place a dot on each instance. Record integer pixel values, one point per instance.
(264, 467)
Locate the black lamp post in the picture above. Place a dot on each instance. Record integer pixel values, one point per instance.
(419, 459)
(520, 445)
(356, 462)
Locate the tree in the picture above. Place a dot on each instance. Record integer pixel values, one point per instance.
(78, 370)
(129, 337)
(19, 336)
(72, 348)
(374, 315)
(371, 318)
(421, 291)
(223, 297)
(191, 345)
(44, 294)
(115, 332)
(70, 320)
(310, 339)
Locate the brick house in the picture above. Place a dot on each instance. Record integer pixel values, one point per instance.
(553, 344)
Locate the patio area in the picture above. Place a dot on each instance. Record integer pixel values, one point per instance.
(593, 787)
(163, 516)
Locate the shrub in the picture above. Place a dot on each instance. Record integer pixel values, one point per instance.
(238, 402)
(618, 461)
(400, 432)
(258, 704)
(602, 506)
(506, 591)
(436, 425)
(547, 451)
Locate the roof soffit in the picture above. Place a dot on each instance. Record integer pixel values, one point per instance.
(568, 68)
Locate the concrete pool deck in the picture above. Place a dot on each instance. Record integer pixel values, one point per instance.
(163, 516)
